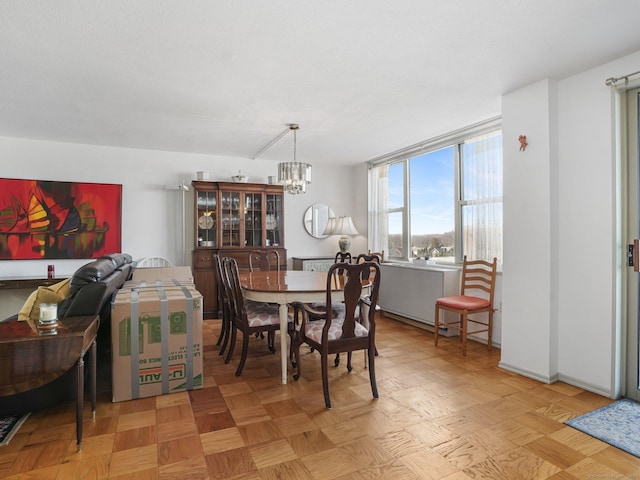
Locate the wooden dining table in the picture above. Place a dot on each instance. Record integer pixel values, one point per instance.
(285, 287)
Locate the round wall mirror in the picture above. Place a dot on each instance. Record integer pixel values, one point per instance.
(316, 218)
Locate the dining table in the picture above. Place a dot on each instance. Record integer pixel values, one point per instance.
(287, 286)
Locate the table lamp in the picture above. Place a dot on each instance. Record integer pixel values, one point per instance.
(342, 226)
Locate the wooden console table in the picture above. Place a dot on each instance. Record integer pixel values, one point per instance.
(30, 283)
(31, 358)
(313, 264)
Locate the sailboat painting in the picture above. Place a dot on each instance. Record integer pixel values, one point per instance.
(41, 219)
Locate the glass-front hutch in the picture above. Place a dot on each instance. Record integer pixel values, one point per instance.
(231, 219)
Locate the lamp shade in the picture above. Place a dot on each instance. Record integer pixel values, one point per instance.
(345, 226)
(331, 226)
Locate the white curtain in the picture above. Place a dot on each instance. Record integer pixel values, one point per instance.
(482, 197)
(378, 231)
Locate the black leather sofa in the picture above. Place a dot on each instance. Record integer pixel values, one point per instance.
(92, 287)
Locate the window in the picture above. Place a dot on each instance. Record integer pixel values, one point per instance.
(441, 200)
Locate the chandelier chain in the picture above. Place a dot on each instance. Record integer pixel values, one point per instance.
(295, 144)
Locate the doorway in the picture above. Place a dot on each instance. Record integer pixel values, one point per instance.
(630, 144)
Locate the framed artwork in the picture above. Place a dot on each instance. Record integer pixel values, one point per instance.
(41, 219)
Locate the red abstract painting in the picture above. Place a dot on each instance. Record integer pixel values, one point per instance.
(42, 219)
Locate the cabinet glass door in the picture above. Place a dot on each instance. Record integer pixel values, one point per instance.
(253, 219)
(230, 218)
(207, 221)
(273, 220)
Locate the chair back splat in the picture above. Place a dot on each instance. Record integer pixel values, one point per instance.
(264, 260)
(345, 326)
(477, 290)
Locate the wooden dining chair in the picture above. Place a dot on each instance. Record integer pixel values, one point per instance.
(369, 257)
(264, 260)
(476, 297)
(342, 257)
(352, 330)
(247, 316)
(380, 254)
(224, 301)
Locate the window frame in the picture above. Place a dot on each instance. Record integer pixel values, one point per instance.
(454, 139)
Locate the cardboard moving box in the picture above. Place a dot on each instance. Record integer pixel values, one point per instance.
(156, 341)
(182, 275)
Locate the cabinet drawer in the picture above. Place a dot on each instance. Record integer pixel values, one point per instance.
(203, 260)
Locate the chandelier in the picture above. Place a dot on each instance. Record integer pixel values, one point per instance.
(294, 176)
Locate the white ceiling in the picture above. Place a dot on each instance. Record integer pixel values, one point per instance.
(361, 77)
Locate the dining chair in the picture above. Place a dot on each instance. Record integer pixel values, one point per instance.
(369, 257)
(264, 260)
(247, 316)
(224, 303)
(153, 262)
(345, 332)
(476, 297)
(342, 257)
(380, 254)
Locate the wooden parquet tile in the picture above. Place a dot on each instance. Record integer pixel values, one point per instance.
(440, 416)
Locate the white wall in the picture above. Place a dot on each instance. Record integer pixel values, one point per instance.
(526, 294)
(151, 217)
(562, 248)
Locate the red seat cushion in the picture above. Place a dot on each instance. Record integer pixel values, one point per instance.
(463, 302)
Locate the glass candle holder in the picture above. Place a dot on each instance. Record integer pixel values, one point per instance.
(48, 314)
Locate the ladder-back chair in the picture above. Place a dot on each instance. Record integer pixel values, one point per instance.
(476, 297)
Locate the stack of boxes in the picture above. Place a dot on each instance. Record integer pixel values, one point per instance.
(156, 334)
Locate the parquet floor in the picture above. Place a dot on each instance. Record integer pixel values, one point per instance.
(439, 416)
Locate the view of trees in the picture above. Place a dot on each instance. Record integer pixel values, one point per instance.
(426, 245)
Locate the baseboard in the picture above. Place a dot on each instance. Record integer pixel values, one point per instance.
(527, 373)
(415, 323)
(585, 385)
(558, 377)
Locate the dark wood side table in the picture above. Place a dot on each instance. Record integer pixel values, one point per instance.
(30, 283)
(31, 358)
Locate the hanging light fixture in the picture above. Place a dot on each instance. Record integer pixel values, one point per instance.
(294, 176)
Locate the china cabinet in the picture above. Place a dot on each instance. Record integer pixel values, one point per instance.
(231, 219)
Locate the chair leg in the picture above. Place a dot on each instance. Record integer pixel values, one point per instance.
(436, 325)
(224, 336)
(372, 373)
(295, 345)
(292, 357)
(490, 332)
(223, 328)
(271, 341)
(349, 367)
(243, 357)
(233, 343)
(325, 379)
(463, 333)
(336, 361)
